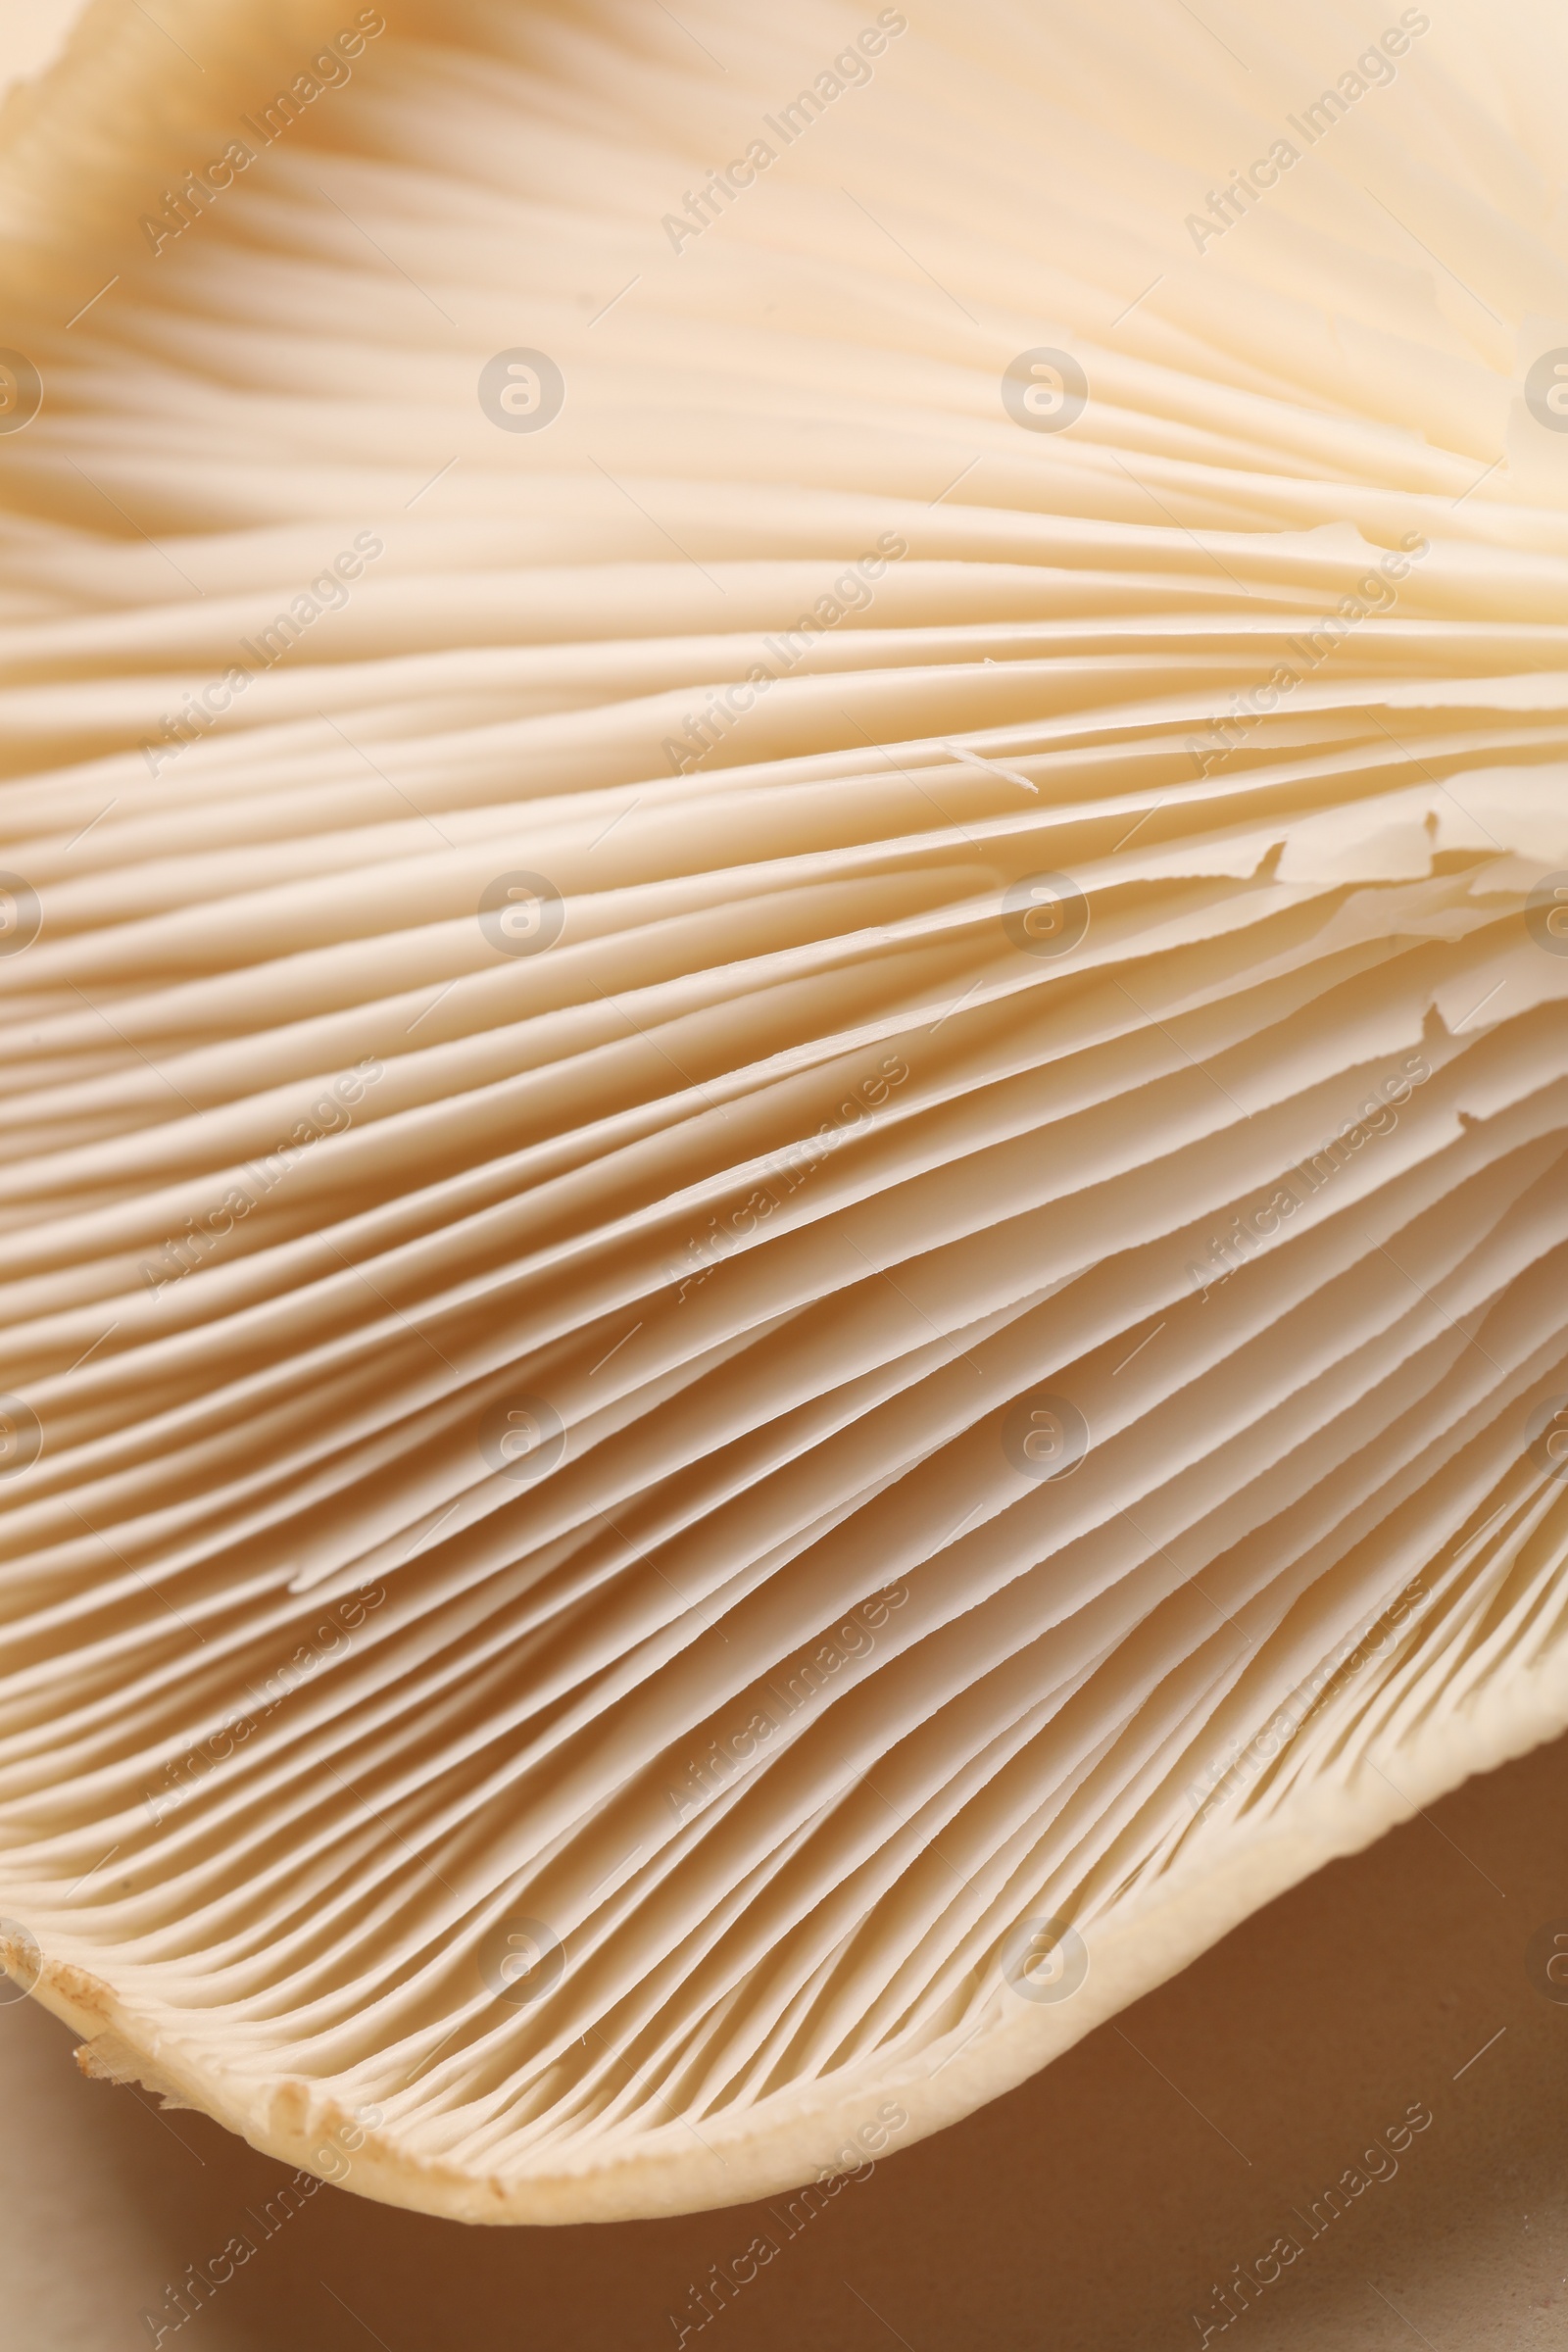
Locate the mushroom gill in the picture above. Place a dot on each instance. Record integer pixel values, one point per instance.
(783, 949)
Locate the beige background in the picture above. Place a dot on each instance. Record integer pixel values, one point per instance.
(1089, 2212)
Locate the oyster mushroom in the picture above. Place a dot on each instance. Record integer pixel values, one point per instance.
(784, 944)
